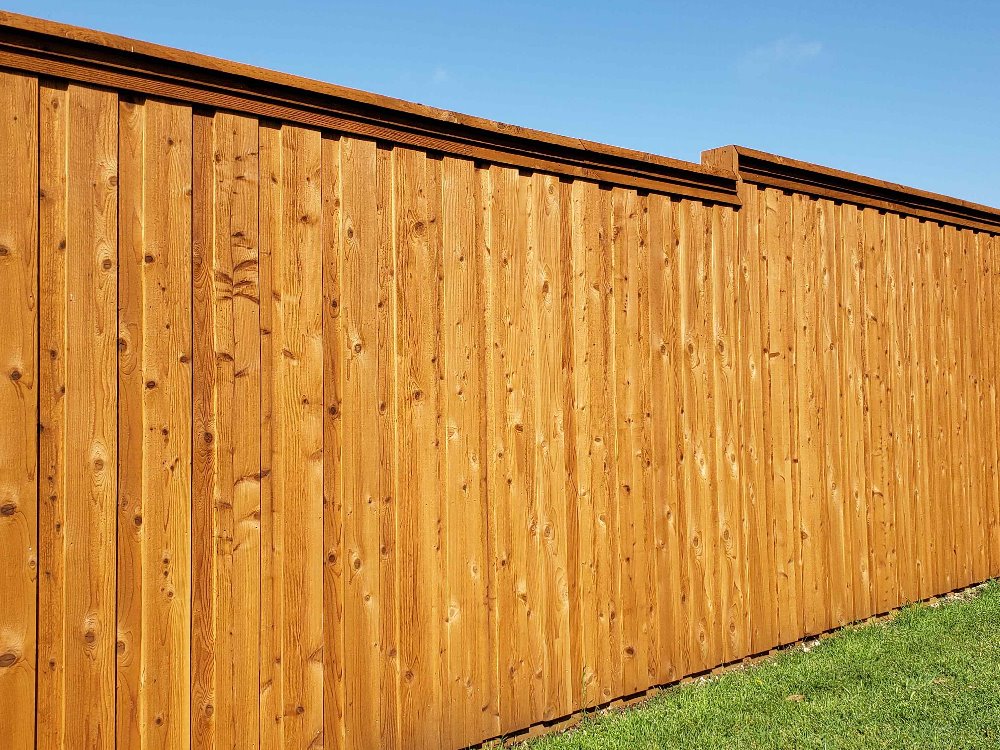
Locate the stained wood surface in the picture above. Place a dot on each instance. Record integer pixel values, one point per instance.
(19, 402)
(317, 440)
(52, 205)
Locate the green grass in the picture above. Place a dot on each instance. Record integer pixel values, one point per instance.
(928, 678)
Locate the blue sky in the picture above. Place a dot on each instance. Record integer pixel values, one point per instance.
(903, 92)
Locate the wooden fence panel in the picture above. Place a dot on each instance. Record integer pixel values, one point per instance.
(326, 429)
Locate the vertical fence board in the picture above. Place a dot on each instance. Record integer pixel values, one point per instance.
(850, 277)
(955, 428)
(19, 105)
(814, 566)
(732, 521)
(334, 573)
(920, 382)
(297, 432)
(901, 420)
(130, 729)
(972, 301)
(271, 680)
(360, 460)
(567, 304)
(649, 644)
(881, 523)
(964, 426)
(211, 472)
(779, 346)
(670, 547)
(518, 257)
(940, 411)
(594, 367)
(991, 302)
(754, 410)
(698, 434)
(469, 683)
(89, 438)
(980, 361)
(52, 375)
(904, 492)
(390, 582)
(841, 585)
(164, 698)
(497, 574)
(418, 363)
(226, 546)
(551, 420)
(628, 427)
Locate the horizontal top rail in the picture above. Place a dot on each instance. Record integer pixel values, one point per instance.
(82, 55)
(76, 54)
(770, 170)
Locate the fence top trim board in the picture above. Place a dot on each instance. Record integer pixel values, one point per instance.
(92, 57)
(770, 170)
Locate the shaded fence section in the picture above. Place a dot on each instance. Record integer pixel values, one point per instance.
(330, 420)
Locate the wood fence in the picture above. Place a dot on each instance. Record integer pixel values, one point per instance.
(331, 420)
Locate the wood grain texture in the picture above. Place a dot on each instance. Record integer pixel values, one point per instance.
(271, 684)
(633, 447)
(596, 477)
(991, 300)
(917, 289)
(732, 522)
(420, 430)
(19, 388)
(550, 214)
(940, 412)
(809, 417)
(334, 622)
(89, 440)
(343, 443)
(470, 682)
(91, 403)
(852, 327)
(360, 460)
(671, 591)
(904, 494)
(754, 409)
(226, 520)
(390, 578)
(699, 429)
(840, 587)
(780, 374)
(211, 478)
(296, 441)
(52, 216)
(165, 467)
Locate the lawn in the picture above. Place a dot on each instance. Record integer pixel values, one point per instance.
(927, 678)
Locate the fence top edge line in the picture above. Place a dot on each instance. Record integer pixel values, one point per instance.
(771, 170)
(65, 51)
(119, 60)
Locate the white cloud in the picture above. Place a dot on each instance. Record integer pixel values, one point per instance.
(780, 54)
(440, 75)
